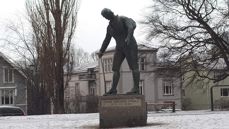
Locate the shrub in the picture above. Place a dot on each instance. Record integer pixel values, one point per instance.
(222, 104)
(186, 102)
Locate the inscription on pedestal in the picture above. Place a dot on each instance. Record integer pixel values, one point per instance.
(122, 110)
(121, 103)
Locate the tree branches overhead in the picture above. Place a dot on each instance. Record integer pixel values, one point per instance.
(195, 31)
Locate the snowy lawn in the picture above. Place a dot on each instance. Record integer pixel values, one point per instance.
(165, 120)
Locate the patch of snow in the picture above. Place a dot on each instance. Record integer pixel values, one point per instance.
(166, 120)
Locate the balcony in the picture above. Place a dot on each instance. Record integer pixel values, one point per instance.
(87, 77)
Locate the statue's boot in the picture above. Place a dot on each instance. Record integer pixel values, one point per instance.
(134, 91)
(111, 92)
(136, 78)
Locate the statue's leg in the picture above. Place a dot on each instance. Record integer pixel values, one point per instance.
(132, 59)
(116, 76)
(136, 78)
(117, 61)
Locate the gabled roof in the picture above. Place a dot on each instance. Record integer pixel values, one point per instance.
(144, 47)
(11, 64)
(141, 47)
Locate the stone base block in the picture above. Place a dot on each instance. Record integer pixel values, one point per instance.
(122, 111)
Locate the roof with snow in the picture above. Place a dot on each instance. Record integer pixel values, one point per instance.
(85, 67)
(141, 47)
(11, 64)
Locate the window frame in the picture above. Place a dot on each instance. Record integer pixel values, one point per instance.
(170, 90)
(92, 89)
(12, 95)
(8, 75)
(142, 63)
(221, 92)
(141, 87)
(107, 64)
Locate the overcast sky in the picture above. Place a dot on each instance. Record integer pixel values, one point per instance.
(91, 26)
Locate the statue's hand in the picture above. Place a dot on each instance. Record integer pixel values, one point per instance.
(100, 54)
(127, 40)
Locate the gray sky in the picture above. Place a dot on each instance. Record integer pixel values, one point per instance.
(91, 26)
(10, 11)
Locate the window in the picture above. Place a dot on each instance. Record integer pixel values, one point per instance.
(77, 89)
(92, 88)
(107, 64)
(108, 86)
(141, 87)
(183, 92)
(168, 88)
(8, 75)
(142, 64)
(7, 96)
(224, 92)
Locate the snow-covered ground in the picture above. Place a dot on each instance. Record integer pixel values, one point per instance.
(165, 120)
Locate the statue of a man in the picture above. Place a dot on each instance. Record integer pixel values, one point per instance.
(121, 28)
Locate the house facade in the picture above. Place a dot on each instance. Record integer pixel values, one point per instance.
(13, 89)
(157, 83)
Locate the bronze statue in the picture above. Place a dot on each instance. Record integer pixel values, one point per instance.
(121, 28)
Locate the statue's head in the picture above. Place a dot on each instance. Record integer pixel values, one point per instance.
(107, 13)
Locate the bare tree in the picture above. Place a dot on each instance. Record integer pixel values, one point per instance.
(82, 57)
(53, 23)
(194, 32)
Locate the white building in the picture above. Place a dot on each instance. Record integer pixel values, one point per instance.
(158, 83)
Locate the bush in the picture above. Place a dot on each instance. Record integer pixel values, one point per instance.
(222, 104)
(186, 102)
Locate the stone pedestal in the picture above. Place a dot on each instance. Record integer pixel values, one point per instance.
(122, 110)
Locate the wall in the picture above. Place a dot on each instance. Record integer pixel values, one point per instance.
(198, 92)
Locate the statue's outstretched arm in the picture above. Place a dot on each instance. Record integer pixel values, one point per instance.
(106, 41)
